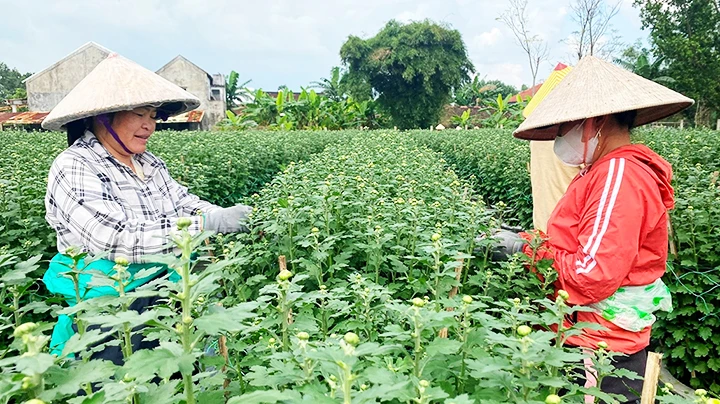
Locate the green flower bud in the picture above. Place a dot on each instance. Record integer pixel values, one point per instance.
(563, 294)
(27, 383)
(23, 329)
(183, 223)
(524, 330)
(303, 336)
(285, 275)
(418, 302)
(553, 399)
(467, 299)
(435, 237)
(701, 392)
(602, 345)
(424, 383)
(271, 341)
(122, 261)
(351, 338)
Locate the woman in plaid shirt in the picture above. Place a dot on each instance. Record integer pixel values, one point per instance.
(107, 194)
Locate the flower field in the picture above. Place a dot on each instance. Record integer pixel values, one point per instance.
(361, 281)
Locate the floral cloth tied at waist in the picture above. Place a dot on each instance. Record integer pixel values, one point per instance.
(632, 307)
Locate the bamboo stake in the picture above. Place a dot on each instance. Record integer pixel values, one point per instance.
(671, 240)
(453, 292)
(652, 374)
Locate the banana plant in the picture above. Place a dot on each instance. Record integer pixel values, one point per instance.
(461, 120)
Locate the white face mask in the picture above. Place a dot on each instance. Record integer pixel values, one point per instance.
(571, 150)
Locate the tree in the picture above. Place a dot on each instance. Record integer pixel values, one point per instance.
(235, 93)
(10, 81)
(331, 87)
(594, 35)
(640, 61)
(516, 18)
(411, 67)
(686, 34)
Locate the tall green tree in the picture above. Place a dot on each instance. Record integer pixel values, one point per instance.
(11, 80)
(686, 33)
(412, 68)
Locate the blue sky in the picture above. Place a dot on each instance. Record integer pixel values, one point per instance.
(291, 42)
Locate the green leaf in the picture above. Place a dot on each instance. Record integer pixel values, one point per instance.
(461, 399)
(678, 352)
(219, 319)
(96, 398)
(69, 381)
(145, 364)
(39, 363)
(165, 393)
(443, 346)
(18, 276)
(701, 350)
(267, 396)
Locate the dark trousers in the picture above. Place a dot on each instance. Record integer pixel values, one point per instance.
(631, 389)
(114, 353)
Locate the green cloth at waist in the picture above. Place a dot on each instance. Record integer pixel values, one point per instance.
(63, 285)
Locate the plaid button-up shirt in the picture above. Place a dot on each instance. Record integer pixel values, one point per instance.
(99, 204)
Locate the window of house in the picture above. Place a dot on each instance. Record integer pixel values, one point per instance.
(215, 94)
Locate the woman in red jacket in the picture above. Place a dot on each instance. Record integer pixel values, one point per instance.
(608, 235)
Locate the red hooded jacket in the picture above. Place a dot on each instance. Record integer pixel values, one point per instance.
(609, 230)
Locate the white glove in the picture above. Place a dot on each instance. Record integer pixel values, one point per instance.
(227, 220)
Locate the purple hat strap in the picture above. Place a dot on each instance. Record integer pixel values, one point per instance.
(103, 118)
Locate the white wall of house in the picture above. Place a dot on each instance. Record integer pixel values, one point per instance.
(46, 88)
(199, 83)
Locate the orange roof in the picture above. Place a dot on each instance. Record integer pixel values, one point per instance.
(193, 116)
(525, 94)
(22, 118)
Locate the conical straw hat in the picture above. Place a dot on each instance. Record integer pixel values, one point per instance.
(119, 84)
(596, 88)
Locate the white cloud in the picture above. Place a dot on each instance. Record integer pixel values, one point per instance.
(511, 73)
(488, 38)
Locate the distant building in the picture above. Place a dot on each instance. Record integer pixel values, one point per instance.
(209, 88)
(47, 87)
